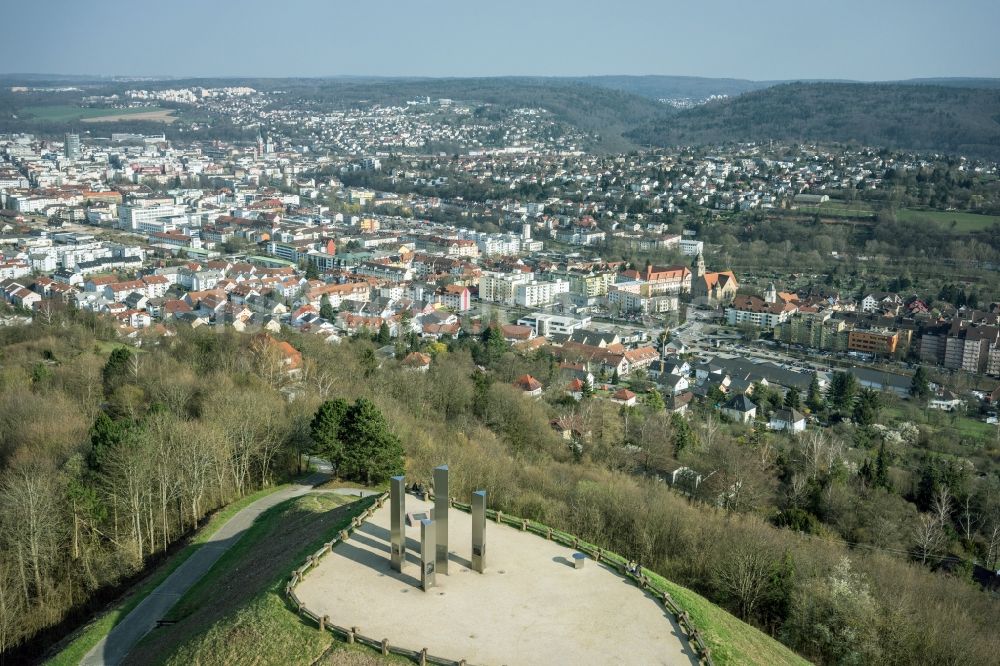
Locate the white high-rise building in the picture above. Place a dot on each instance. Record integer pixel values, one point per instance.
(71, 148)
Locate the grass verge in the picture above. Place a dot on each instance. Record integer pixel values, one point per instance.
(237, 613)
(92, 633)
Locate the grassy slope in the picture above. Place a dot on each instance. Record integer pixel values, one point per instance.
(99, 628)
(240, 606)
(731, 640)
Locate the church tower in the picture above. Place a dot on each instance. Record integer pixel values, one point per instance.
(771, 295)
(698, 267)
(699, 288)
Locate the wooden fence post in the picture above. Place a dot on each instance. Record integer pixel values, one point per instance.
(322, 623)
(423, 657)
(385, 646)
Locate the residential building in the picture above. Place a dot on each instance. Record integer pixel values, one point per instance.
(530, 386)
(497, 287)
(538, 293)
(789, 420)
(456, 297)
(739, 408)
(758, 312)
(877, 342)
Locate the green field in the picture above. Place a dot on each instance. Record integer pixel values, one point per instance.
(857, 209)
(964, 222)
(67, 112)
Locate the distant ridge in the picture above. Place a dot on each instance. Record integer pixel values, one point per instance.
(923, 117)
(946, 115)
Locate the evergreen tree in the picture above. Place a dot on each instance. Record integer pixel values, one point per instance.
(842, 389)
(115, 371)
(758, 435)
(312, 273)
(369, 362)
(105, 434)
(325, 431)
(654, 401)
(716, 395)
(494, 346)
(383, 336)
(867, 407)
(684, 437)
(814, 398)
(326, 310)
(371, 452)
(793, 399)
(919, 385)
(880, 474)
(615, 378)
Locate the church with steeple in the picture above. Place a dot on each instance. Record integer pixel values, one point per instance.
(711, 289)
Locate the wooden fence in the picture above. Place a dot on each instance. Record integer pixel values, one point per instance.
(609, 558)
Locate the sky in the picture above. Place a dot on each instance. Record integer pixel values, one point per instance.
(762, 40)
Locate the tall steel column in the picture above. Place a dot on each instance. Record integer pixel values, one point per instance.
(479, 530)
(427, 553)
(441, 506)
(397, 510)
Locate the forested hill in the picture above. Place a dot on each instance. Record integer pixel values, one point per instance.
(603, 111)
(915, 117)
(665, 87)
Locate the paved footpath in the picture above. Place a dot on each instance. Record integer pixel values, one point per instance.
(113, 648)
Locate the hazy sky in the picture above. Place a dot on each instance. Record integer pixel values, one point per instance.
(766, 39)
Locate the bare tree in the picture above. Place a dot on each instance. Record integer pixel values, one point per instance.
(941, 506)
(928, 536)
(744, 574)
(993, 547)
(968, 520)
(31, 525)
(710, 428)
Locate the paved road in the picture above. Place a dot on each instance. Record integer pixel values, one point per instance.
(113, 648)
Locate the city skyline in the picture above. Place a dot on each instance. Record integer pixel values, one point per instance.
(888, 41)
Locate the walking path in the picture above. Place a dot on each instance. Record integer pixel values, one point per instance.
(111, 650)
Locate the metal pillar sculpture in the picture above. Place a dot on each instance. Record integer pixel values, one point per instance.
(397, 510)
(479, 530)
(441, 506)
(427, 553)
